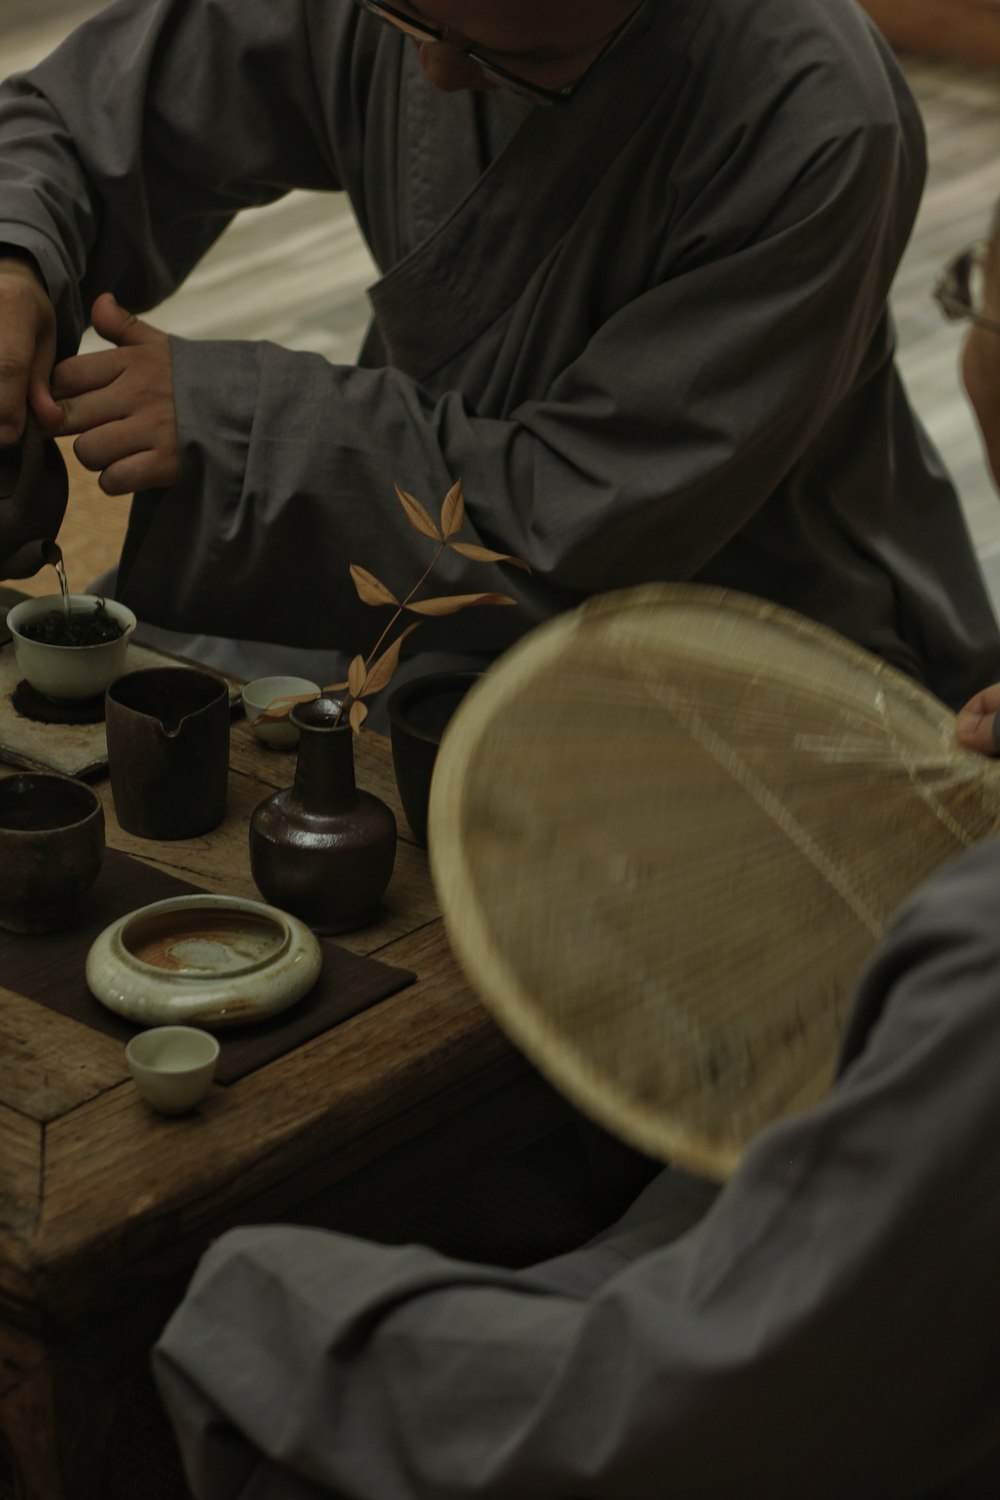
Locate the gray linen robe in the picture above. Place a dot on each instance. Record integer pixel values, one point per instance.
(829, 1330)
(649, 333)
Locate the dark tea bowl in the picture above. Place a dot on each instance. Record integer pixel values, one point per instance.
(419, 713)
(51, 848)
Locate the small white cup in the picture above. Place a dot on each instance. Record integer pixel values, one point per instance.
(173, 1066)
(280, 734)
(65, 674)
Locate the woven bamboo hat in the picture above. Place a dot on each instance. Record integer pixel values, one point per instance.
(667, 831)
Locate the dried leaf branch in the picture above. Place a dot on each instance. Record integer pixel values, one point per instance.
(369, 674)
(279, 708)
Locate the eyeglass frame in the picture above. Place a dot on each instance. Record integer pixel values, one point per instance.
(513, 82)
(956, 275)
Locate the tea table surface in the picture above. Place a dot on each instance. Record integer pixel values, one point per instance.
(105, 1206)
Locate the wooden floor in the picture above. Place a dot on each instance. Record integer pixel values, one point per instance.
(968, 29)
(961, 109)
(296, 272)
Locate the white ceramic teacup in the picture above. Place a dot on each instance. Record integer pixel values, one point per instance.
(280, 734)
(66, 674)
(173, 1066)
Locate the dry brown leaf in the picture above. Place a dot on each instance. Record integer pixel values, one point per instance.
(453, 510)
(450, 604)
(364, 682)
(280, 708)
(381, 673)
(416, 515)
(486, 554)
(356, 674)
(370, 590)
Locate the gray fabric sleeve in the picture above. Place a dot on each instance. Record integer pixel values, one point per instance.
(828, 1328)
(126, 152)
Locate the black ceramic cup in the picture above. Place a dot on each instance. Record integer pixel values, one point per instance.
(168, 751)
(51, 848)
(419, 712)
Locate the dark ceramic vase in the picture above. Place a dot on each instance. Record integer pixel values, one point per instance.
(321, 849)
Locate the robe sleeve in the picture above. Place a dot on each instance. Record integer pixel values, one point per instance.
(127, 151)
(828, 1328)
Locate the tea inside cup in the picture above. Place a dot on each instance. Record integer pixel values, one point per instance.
(173, 1066)
(67, 673)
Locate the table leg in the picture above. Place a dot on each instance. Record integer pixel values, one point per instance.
(54, 1422)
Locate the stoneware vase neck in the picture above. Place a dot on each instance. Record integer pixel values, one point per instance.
(324, 771)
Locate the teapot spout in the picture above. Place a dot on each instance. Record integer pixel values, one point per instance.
(29, 560)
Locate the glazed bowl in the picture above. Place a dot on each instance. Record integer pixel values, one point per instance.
(173, 1066)
(202, 960)
(67, 674)
(258, 696)
(51, 848)
(419, 713)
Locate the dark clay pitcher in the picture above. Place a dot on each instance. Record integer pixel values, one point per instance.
(168, 751)
(33, 491)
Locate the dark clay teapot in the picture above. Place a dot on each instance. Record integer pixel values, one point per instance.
(33, 492)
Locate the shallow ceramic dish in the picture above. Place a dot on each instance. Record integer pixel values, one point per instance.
(209, 960)
(66, 674)
(173, 1066)
(257, 698)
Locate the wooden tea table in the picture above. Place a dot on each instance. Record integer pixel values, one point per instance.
(105, 1207)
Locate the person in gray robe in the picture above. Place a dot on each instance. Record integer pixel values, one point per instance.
(647, 327)
(827, 1329)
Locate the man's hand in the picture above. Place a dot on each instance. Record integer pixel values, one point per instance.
(121, 402)
(27, 350)
(976, 725)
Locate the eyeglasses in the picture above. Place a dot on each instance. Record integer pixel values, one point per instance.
(501, 76)
(960, 288)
